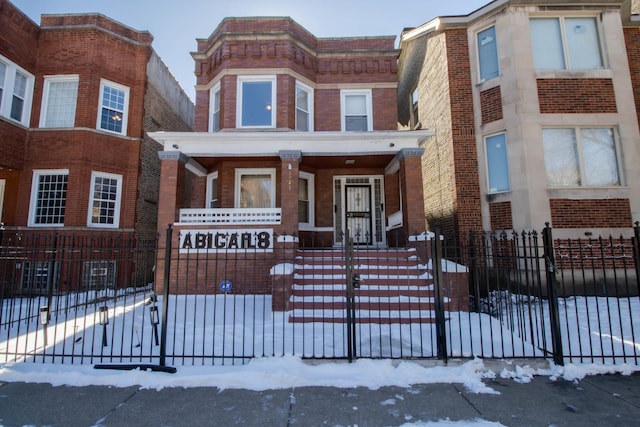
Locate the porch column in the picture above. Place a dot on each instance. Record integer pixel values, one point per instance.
(172, 172)
(413, 197)
(290, 167)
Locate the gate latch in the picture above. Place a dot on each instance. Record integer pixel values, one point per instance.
(355, 281)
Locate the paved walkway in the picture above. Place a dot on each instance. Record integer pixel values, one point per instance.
(594, 401)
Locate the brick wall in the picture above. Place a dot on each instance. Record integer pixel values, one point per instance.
(18, 37)
(602, 213)
(491, 104)
(501, 216)
(632, 40)
(576, 96)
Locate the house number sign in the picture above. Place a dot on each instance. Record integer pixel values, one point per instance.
(239, 240)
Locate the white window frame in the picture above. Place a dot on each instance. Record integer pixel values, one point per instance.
(125, 110)
(310, 178)
(565, 44)
(34, 195)
(240, 172)
(273, 106)
(414, 108)
(581, 164)
(116, 213)
(310, 99)
(482, 78)
(213, 109)
(488, 166)
(212, 182)
(48, 80)
(344, 93)
(6, 102)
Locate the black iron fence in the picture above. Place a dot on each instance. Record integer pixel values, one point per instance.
(84, 298)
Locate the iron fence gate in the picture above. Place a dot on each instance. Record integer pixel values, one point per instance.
(74, 298)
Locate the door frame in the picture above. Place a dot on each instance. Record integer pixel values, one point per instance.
(378, 217)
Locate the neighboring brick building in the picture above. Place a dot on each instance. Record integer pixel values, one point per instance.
(533, 104)
(296, 135)
(77, 95)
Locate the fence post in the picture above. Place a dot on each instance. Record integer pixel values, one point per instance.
(165, 297)
(441, 331)
(554, 316)
(636, 251)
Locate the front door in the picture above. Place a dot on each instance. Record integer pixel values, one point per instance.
(358, 214)
(359, 210)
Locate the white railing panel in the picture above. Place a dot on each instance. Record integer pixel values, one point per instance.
(231, 216)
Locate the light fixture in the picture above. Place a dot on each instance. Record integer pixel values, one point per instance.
(153, 315)
(116, 118)
(44, 315)
(267, 107)
(103, 315)
(176, 146)
(349, 161)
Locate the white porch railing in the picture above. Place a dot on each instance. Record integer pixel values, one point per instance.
(231, 216)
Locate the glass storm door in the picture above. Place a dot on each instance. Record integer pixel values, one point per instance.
(358, 213)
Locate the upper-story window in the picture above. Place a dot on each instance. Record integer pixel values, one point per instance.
(304, 108)
(214, 122)
(566, 43)
(415, 116)
(488, 54)
(114, 104)
(59, 101)
(16, 91)
(581, 157)
(256, 101)
(356, 110)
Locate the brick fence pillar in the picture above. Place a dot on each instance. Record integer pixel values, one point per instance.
(413, 198)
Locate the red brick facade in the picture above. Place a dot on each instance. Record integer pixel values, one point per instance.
(598, 213)
(501, 216)
(577, 96)
(491, 104)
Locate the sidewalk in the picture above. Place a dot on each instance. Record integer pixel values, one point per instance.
(608, 400)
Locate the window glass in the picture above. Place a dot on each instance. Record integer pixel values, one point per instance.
(215, 119)
(415, 117)
(566, 43)
(49, 198)
(497, 163)
(583, 44)
(303, 200)
(59, 103)
(257, 103)
(113, 104)
(3, 74)
(356, 113)
(488, 54)
(302, 109)
(546, 40)
(256, 190)
(582, 156)
(19, 93)
(600, 160)
(105, 200)
(212, 191)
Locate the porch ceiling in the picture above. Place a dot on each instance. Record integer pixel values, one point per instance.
(317, 162)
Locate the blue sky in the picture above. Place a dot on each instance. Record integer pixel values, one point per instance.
(176, 25)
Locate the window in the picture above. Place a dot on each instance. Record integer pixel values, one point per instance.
(415, 118)
(214, 125)
(35, 275)
(114, 102)
(59, 102)
(16, 91)
(304, 108)
(566, 43)
(48, 197)
(305, 199)
(99, 274)
(497, 163)
(212, 190)
(581, 157)
(104, 200)
(488, 54)
(255, 188)
(256, 106)
(356, 110)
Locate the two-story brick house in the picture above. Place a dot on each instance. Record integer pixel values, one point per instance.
(77, 95)
(295, 135)
(533, 106)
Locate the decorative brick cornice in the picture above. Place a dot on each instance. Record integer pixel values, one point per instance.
(410, 152)
(290, 154)
(173, 155)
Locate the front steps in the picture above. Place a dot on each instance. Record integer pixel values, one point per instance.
(395, 287)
